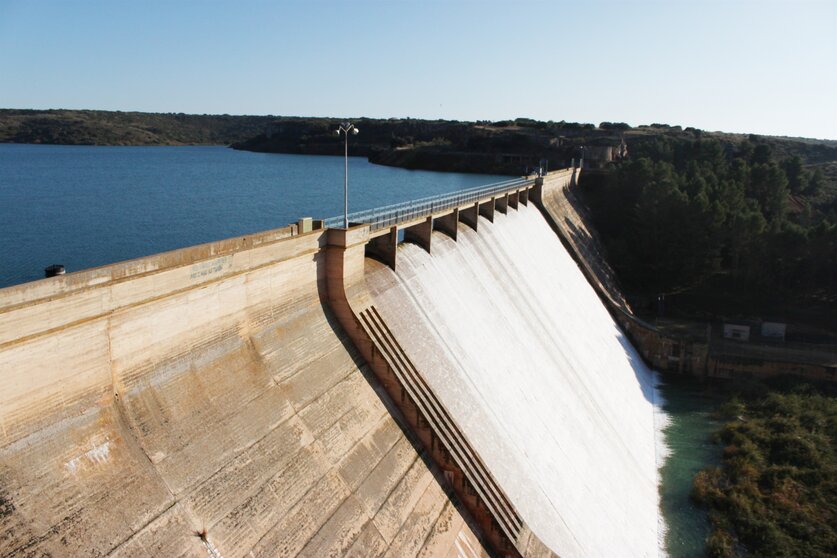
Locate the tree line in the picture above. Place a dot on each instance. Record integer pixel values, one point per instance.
(680, 214)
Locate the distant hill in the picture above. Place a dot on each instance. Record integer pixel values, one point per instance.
(96, 127)
(503, 147)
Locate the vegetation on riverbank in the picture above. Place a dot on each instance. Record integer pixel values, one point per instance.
(775, 492)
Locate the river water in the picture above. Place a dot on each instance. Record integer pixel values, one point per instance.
(688, 405)
(85, 206)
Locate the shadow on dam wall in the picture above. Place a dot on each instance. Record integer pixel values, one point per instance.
(210, 400)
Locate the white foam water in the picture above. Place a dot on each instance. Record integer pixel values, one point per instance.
(526, 358)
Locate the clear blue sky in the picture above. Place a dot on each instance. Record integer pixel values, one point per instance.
(766, 67)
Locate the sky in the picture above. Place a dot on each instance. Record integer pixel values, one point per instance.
(764, 67)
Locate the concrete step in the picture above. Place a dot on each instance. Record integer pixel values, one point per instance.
(476, 474)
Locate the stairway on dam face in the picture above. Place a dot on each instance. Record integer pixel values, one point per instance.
(206, 389)
(510, 336)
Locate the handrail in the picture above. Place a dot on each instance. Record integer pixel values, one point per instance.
(389, 215)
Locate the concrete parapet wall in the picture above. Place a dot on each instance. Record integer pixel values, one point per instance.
(211, 390)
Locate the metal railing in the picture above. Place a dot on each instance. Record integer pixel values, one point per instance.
(387, 216)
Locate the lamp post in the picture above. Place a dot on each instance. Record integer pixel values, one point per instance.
(345, 128)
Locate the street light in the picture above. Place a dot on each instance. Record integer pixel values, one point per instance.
(345, 128)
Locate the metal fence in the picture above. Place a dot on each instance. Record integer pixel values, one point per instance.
(387, 216)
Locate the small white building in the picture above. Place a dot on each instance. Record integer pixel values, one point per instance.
(774, 330)
(739, 332)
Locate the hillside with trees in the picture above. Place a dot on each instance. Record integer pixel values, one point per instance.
(97, 127)
(722, 228)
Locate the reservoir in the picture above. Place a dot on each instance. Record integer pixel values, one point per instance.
(87, 206)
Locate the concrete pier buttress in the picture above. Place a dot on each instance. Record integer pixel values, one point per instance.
(513, 199)
(206, 389)
(447, 223)
(502, 203)
(487, 210)
(420, 234)
(470, 216)
(383, 247)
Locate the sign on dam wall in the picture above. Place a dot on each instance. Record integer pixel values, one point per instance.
(208, 400)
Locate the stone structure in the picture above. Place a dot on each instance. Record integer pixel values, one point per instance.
(206, 401)
(244, 397)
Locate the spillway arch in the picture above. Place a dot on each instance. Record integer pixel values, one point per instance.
(265, 395)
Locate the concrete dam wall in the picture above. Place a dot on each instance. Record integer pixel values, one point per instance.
(207, 390)
(541, 380)
(281, 394)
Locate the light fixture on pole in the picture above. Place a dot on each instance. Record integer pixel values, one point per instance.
(345, 128)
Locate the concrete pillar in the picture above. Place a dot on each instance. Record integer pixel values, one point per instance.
(447, 223)
(487, 210)
(345, 268)
(536, 193)
(420, 234)
(470, 216)
(384, 247)
(513, 200)
(501, 204)
(524, 196)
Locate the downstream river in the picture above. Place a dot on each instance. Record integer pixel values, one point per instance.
(84, 206)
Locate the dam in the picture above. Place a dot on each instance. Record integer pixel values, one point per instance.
(436, 380)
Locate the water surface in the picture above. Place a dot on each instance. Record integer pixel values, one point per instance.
(85, 206)
(689, 405)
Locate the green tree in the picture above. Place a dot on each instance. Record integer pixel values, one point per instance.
(796, 175)
(769, 187)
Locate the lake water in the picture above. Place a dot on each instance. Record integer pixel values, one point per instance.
(87, 206)
(84, 206)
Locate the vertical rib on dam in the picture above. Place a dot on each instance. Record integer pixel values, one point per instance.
(518, 347)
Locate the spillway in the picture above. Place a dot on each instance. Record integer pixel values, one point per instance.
(520, 350)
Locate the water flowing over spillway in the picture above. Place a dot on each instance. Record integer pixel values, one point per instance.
(521, 351)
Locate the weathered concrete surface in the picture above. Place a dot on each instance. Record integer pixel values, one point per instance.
(204, 389)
